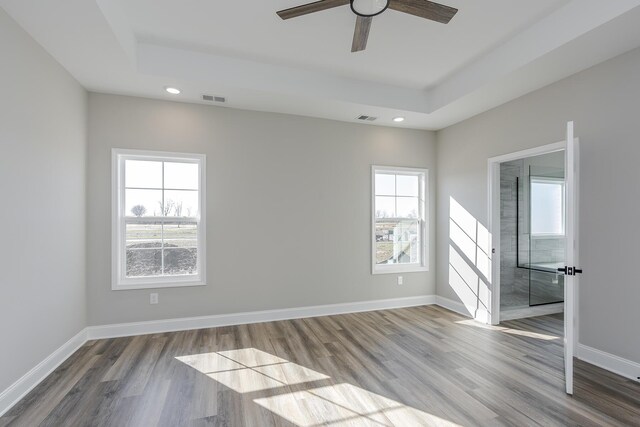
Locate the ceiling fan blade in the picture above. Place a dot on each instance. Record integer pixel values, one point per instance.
(305, 9)
(361, 33)
(424, 9)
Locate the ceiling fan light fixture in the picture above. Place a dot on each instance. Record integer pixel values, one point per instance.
(369, 8)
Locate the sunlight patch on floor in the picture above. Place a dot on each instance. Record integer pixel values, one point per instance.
(247, 370)
(250, 370)
(511, 331)
(345, 404)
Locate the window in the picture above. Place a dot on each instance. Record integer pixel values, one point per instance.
(399, 227)
(158, 219)
(547, 207)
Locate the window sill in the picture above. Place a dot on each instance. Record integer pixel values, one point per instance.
(394, 269)
(157, 285)
(547, 236)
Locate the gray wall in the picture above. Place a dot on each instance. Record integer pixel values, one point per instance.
(604, 102)
(42, 182)
(288, 207)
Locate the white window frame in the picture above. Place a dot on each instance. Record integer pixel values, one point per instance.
(423, 191)
(118, 256)
(561, 182)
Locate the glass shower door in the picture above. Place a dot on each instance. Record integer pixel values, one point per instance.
(546, 234)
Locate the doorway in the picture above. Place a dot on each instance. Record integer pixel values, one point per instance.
(532, 235)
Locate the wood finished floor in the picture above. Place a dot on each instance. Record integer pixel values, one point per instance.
(405, 367)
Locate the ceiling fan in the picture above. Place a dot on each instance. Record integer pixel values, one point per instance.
(367, 9)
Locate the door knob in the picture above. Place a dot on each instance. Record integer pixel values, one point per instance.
(570, 271)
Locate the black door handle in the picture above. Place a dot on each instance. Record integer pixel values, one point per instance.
(570, 271)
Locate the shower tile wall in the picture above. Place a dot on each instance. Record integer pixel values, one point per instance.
(547, 250)
(514, 282)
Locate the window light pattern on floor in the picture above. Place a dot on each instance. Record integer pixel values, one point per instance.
(520, 332)
(250, 370)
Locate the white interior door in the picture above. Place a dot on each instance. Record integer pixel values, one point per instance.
(571, 254)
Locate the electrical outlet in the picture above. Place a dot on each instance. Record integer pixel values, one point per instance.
(153, 298)
(400, 280)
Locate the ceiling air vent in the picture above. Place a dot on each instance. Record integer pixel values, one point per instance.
(214, 98)
(366, 118)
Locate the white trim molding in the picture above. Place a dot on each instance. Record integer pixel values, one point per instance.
(38, 373)
(481, 315)
(455, 306)
(493, 214)
(214, 321)
(609, 362)
(523, 313)
(120, 219)
(423, 219)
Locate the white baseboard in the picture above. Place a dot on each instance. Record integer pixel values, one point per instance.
(540, 310)
(481, 315)
(452, 305)
(172, 325)
(608, 361)
(28, 381)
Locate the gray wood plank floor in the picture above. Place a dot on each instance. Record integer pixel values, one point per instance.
(416, 366)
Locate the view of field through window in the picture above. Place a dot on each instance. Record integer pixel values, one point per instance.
(397, 218)
(161, 218)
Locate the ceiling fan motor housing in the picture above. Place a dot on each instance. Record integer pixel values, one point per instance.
(369, 8)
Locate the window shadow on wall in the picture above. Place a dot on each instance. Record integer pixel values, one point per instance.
(469, 260)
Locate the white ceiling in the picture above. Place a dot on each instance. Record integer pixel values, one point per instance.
(403, 50)
(433, 74)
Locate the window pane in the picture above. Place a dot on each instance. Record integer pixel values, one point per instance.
(181, 235)
(143, 233)
(180, 203)
(384, 252)
(407, 185)
(143, 174)
(407, 207)
(547, 216)
(397, 241)
(405, 252)
(406, 231)
(180, 261)
(397, 253)
(182, 176)
(385, 184)
(385, 230)
(385, 207)
(142, 202)
(143, 262)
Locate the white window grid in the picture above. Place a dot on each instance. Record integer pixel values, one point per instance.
(121, 219)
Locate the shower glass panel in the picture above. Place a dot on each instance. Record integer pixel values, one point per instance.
(532, 231)
(546, 237)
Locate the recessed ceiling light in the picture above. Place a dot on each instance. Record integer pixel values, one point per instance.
(172, 90)
(398, 119)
